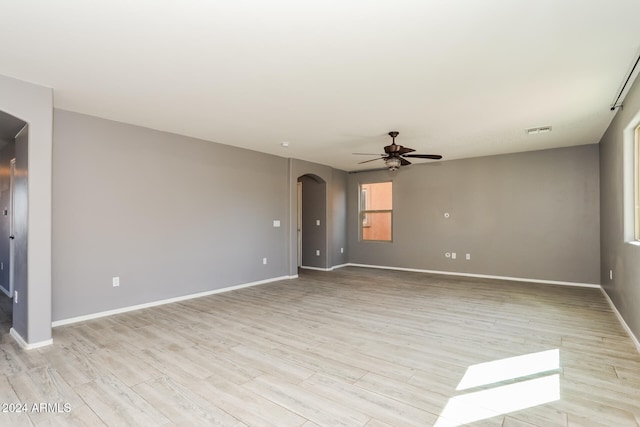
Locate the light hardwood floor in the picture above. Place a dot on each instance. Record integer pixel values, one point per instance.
(353, 347)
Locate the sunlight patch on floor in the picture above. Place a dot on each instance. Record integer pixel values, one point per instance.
(504, 399)
(510, 368)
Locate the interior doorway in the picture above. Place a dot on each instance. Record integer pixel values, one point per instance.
(12, 221)
(12, 129)
(312, 222)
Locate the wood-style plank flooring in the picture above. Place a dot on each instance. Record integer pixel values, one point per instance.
(353, 347)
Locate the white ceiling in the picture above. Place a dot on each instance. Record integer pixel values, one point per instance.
(460, 78)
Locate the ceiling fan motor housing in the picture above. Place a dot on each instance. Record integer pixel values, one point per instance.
(395, 154)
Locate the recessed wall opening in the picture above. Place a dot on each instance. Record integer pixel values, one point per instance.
(312, 220)
(12, 195)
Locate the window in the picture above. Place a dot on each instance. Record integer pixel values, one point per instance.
(636, 187)
(376, 211)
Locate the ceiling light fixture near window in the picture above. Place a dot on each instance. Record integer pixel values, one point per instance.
(537, 130)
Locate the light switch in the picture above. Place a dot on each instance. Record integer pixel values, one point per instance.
(317, 222)
(276, 223)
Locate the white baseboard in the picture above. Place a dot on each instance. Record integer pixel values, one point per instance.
(306, 267)
(164, 301)
(622, 321)
(480, 276)
(25, 345)
(324, 269)
(335, 267)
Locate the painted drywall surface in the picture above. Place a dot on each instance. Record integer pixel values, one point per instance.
(21, 230)
(34, 105)
(338, 203)
(7, 152)
(168, 215)
(335, 181)
(617, 254)
(314, 222)
(530, 215)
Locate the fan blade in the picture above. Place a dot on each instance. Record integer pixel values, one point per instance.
(424, 156)
(404, 162)
(367, 154)
(397, 149)
(367, 161)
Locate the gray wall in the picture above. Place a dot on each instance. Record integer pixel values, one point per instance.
(169, 215)
(531, 215)
(616, 254)
(338, 203)
(314, 208)
(34, 105)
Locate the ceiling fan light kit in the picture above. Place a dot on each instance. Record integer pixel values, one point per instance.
(393, 163)
(395, 155)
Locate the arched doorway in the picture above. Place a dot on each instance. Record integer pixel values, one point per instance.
(312, 222)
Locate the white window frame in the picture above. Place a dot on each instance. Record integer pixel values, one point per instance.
(363, 222)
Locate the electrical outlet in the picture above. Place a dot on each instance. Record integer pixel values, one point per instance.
(468, 257)
(318, 252)
(264, 261)
(115, 281)
(341, 250)
(15, 297)
(317, 222)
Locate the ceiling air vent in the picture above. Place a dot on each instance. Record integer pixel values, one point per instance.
(540, 129)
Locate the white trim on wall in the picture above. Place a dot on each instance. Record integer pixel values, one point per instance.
(324, 269)
(622, 321)
(481, 276)
(25, 345)
(165, 301)
(305, 267)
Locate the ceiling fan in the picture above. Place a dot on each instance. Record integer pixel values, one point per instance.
(395, 155)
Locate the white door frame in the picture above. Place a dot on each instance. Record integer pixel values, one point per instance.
(11, 224)
(299, 223)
